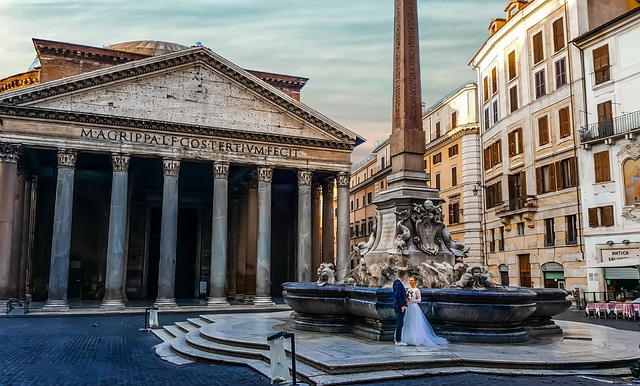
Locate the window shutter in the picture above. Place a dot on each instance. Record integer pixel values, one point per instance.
(499, 150)
(498, 191)
(520, 147)
(552, 177)
(487, 159)
(607, 216)
(539, 186)
(512, 144)
(573, 172)
(593, 217)
(523, 183)
(606, 166)
(565, 127)
(512, 65)
(558, 174)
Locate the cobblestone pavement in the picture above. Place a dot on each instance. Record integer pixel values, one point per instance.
(99, 350)
(109, 350)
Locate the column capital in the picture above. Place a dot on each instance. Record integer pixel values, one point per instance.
(316, 191)
(67, 158)
(342, 179)
(265, 174)
(252, 180)
(221, 170)
(330, 184)
(120, 162)
(304, 177)
(171, 167)
(9, 152)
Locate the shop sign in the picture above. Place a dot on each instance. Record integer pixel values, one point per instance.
(619, 254)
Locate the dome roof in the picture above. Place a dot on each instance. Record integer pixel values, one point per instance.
(147, 47)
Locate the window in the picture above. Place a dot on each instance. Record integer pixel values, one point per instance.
(351, 232)
(567, 173)
(512, 65)
(494, 80)
(602, 166)
(370, 225)
(565, 123)
(501, 240)
(546, 178)
(438, 181)
(492, 240)
(357, 229)
(543, 130)
(572, 229)
(437, 158)
(454, 119)
(538, 49)
(515, 142)
(541, 86)
(363, 228)
(561, 72)
(486, 119)
(357, 203)
(369, 197)
(602, 215)
(558, 35)
(384, 165)
(494, 195)
(485, 89)
(549, 233)
(454, 176)
(454, 212)
(493, 154)
(437, 129)
(605, 114)
(517, 190)
(495, 111)
(453, 150)
(601, 64)
(520, 229)
(513, 98)
(352, 205)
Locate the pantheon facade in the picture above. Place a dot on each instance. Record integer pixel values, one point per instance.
(151, 170)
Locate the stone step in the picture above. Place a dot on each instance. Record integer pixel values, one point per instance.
(198, 322)
(162, 334)
(186, 327)
(174, 330)
(209, 318)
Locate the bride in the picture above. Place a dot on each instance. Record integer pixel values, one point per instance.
(417, 331)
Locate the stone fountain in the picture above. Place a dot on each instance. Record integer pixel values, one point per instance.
(462, 303)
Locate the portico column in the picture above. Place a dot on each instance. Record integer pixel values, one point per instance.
(316, 237)
(252, 239)
(168, 235)
(113, 299)
(218, 285)
(8, 176)
(16, 238)
(61, 240)
(303, 255)
(241, 269)
(328, 232)
(343, 225)
(26, 226)
(263, 272)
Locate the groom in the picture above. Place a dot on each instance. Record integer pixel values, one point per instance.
(399, 306)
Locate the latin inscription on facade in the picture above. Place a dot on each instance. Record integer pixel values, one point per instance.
(190, 143)
(388, 232)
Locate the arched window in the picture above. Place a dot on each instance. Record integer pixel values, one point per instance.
(631, 172)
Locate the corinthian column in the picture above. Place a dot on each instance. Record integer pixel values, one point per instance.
(218, 285)
(316, 241)
(263, 271)
(61, 240)
(168, 235)
(113, 298)
(252, 238)
(343, 225)
(303, 255)
(8, 176)
(328, 232)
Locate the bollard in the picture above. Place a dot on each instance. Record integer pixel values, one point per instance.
(280, 370)
(150, 318)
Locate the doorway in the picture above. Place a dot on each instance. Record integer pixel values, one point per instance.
(524, 265)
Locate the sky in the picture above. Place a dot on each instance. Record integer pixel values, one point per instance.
(344, 47)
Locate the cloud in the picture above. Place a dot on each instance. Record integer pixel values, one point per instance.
(344, 47)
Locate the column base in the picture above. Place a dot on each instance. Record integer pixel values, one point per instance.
(112, 304)
(165, 303)
(248, 299)
(56, 306)
(263, 301)
(238, 297)
(217, 302)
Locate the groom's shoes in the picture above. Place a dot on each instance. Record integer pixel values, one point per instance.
(401, 344)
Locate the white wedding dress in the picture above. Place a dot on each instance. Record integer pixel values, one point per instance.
(417, 331)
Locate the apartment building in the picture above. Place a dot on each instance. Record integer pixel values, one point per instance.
(452, 159)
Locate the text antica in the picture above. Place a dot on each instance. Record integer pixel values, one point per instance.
(188, 142)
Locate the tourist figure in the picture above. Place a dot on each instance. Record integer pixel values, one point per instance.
(417, 331)
(399, 306)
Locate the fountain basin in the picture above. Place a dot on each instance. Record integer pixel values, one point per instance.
(460, 315)
(549, 302)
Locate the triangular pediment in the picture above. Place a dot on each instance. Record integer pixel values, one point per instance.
(190, 87)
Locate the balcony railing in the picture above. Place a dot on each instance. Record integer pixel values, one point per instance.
(515, 204)
(621, 125)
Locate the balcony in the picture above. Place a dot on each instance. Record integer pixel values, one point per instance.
(623, 125)
(519, 205)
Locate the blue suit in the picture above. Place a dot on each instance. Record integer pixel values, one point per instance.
(399, 300)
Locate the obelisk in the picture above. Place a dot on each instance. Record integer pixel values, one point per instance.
(396, 235)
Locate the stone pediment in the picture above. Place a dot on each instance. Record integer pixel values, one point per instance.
(189, 88)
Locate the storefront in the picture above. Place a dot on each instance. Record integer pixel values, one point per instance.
(553, 275)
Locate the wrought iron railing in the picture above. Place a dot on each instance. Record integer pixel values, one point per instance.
(518, 203)
(617, 126)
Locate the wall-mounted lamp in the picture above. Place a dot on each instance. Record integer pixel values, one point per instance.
(625, 241)
(461, 211)
(476, 188)
(609, 242)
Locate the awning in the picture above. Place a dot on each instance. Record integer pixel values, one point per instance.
(630, 262)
